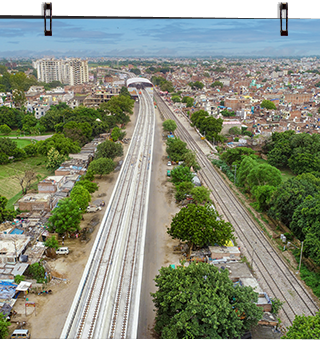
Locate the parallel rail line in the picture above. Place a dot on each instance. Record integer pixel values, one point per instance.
(275, 274)
(102, 305)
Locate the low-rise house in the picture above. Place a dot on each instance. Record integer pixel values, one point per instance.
(11, 247)
(51, 184)
(32, 202)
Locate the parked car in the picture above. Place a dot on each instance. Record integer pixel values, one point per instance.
(62, 251)
(168, 173)
(169, 163)
(20, 334)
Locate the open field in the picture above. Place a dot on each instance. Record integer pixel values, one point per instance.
(9, 186)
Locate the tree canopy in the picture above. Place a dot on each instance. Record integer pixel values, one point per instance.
(109, 149)
(304, 327)
(5, 214)
(176, 149)
(65, 217)
(181, 174)
(102, 166)
(169, 125)
(201, 302)
(81, 196)
(199, 225)
(268, 105)
(235, 155)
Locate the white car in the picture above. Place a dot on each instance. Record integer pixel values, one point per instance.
(169, 163)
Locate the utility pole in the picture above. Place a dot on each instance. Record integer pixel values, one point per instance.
(235, 173)
(300, 257)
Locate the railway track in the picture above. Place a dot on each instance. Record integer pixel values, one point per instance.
(108, 295)
(273, 274)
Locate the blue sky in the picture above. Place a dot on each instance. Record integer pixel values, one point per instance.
(159, 37)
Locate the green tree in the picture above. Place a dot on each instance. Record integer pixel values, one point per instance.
(304, 327)
(217, 83)
(198, 225)
(54, 159)
(176, 99)
(264, 174)
(109, 149)
(235, 155)
(268, 105)
(227, 113)
(201, 302)
(5, 129)
(37, 272)
(176, 149)
(4, 159)
(7, 146)
(235, 131)
(4, 326)
(124, 92)
(81, 196)
(181, 174)
(263, 196)
(201, 195)
(169, 125)
(88, 176)
(246, 165)
(30, 150)
(117, 134)
(188, 100)
(5, 214)
(304, 162)
(182, 190)
(90, 186)
(65, 217)
(52, 242)
(136, 71)
(190, 160)
(290, 194)
(19, 278)
(19, 154)
(102, 166)
(197, 85)
(18, 97)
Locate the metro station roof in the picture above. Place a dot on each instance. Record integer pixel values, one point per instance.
(138, 80)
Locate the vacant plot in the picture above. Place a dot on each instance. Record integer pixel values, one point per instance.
(9, 186)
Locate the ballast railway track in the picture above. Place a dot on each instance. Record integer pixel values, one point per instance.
(102, 304)
(272, 271)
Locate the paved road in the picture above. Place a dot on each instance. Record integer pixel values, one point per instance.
(33, 137)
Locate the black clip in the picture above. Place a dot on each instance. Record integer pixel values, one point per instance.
(284, 7)
(47, 6)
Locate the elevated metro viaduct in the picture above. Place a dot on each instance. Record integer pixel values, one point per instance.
(135, 84)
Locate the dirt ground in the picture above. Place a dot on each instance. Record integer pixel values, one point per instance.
(47, 320)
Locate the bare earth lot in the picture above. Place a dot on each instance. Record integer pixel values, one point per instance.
(52, 309)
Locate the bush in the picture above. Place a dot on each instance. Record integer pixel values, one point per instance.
(37, 272)
(224, 168)
(19, 278)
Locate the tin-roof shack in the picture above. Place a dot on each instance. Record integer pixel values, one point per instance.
(218, 252)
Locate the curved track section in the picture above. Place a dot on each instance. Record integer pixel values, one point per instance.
(106, 304)
(273, 274)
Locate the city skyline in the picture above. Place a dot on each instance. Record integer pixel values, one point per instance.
(159, 38)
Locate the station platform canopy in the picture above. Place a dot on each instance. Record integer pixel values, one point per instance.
(135, 81)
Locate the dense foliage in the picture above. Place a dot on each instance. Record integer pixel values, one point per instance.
(199, 225)
(65, 217)
(109, 149)
(5, 214)
(201, 302)
(181, 174)
(304, 327)
(176, 149)
(207, 125)
(169, 125)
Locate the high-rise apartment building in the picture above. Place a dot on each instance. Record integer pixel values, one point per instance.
(70, 71)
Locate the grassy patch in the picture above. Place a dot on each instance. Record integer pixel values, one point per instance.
(312, 279)
(9, 186)
(21, 143)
